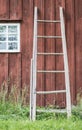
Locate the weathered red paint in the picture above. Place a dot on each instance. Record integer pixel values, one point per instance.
(4, 9)
(17, 66)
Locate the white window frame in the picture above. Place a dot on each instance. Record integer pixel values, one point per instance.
(18, 36)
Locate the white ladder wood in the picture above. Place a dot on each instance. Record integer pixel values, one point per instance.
(40, 53)
(49, 21)
(31, 89)
(50, 71)
(34, 70)
(49, 36)
(34, 65)
(51, 92)
(67, 81)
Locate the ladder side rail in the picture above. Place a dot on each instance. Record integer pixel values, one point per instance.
(31, 89)
(67, 81)
(35, 31)
(34, 64)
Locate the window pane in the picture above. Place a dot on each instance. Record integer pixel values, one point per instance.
(2, 45)
(2, 29)
(12, 46)
(12, 37)
(12, 29)
(2, 37)
(9, 37)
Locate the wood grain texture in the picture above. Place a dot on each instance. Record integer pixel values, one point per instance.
(14, 71)
(4, 9)
(78, 52)
(40, 60)
(60, 78)
(79, 9)
(49, 47)
(26, 43)
(70, 35)
(3, 69)
(19, 64)
(15, 10)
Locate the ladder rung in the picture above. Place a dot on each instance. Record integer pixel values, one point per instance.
(50, 53)
(49, 21)
(51, 92)
(50, 71)
(53, 110)
(49, 36)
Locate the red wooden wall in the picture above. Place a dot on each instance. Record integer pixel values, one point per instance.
(16, 67)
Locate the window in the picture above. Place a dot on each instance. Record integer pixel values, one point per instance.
(9, 37)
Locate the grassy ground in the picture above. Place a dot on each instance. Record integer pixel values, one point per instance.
(15, 117)
(51, 124)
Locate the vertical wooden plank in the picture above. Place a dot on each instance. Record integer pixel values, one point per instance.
(26, 43)
(48, 65)
(15, 9)
(40, 60)
(70, 32)
(3, 68)
(4, 9)
(49, 47)
(60, 78)
(3, 76)
(79, 9)
(15, 75)
(78, 49)
(14, 65)
(53, 50)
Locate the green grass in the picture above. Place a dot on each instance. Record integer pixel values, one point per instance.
(51, 124)
(16, 117)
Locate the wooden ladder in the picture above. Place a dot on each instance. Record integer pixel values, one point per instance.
(34, 70)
